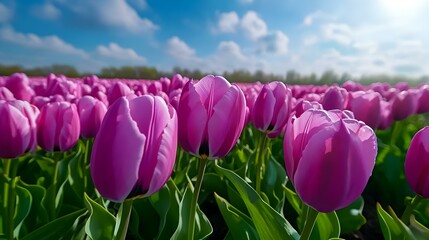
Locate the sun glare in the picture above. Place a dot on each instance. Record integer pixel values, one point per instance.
(401, 9)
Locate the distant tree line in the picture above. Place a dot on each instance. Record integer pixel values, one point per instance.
(329, 77)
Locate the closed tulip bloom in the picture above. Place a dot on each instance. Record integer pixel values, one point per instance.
(334, 98)
(117, 90)
(404, 105)
(91, 114)
(423, 99)
(211, 117)
(18, 84)
(366, 107)
(417, 163)
(58, 126)
(271, 109)
(134, 151)
(15, 131)
(328, 159)
(304, 105)
(31, 112)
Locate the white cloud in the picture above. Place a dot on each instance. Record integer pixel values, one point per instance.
(231, 50)
(228, 22)
(47, 11)
(5, 13)
(50, 43)
(253, 25)
(310, 40)
(318, 15)
(113, 50)
(178, 49)
(276, 42)
(110, 13)
(338, 32)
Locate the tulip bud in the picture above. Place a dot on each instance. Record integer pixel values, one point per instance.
(15, 131)
(211, 117)
(117, 90)
(417, 163)
(404, 105)
(334, 98)
(18, 84)
(135, 149)
(366, 107)
(271, 109)
(91, 114)
(58, 126)
(328, 159)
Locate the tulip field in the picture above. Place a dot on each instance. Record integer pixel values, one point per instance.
(180, 158)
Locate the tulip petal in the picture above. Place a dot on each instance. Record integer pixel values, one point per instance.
(117, 153)
(166, 155)
(192, 117)
(151, 115)
(227, 122)
(211, 89)
(15, 131)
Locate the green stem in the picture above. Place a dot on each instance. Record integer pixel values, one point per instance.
(9, 197)
(396, 130)
(309, 223)
(54, 189)
(197, 188)
(409, 210)
(124, 216)
(85, 164)
(260, 160)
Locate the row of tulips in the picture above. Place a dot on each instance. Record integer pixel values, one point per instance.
(100, 159)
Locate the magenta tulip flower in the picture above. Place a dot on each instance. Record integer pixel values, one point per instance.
(334, 98)
(58, 126)
(404, 104)
(271, 109)
(31, 112)
(18, 84)
(15, 131)
(211, 117)
(417, 163)
(366, 107)
(328, 159)
(117, 90)
(91, 114)
(135, 149)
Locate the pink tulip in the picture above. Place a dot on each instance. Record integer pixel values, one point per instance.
(117, 90)
(6, 94)
(334, 98)
(58, 126)
(91, 114)
(211, 117)
(271, 109)
(15, 131)
(366, 107)
(417, 163)
(404, 105)
(18, 84)
(328, 159)
(135, 149)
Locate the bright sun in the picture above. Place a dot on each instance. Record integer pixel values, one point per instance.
(403, 8)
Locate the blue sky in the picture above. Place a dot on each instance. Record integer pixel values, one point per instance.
(358, 37)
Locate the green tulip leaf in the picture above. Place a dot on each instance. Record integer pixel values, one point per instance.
(391, 226)
(203, 228)
(100, 223)
(350, 217)
(272, 184)
(57, 228)
(38, 214)
(240, 226)
(268, 222)
(418, 229)
(327, 226)
(22, 208)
